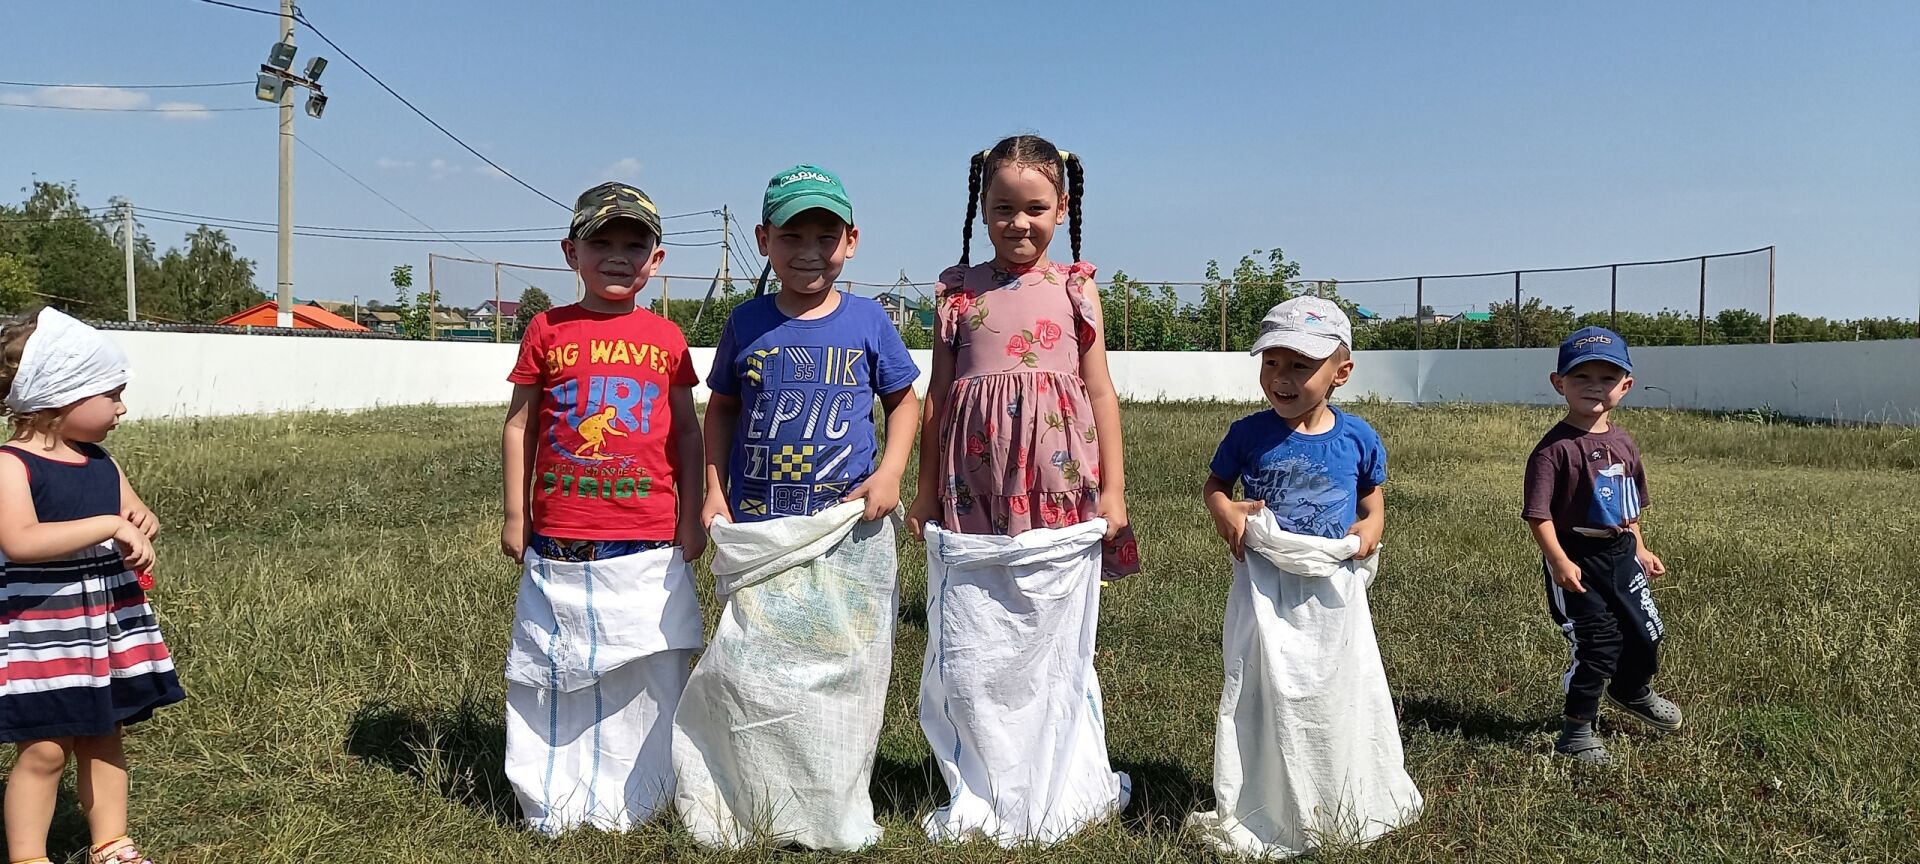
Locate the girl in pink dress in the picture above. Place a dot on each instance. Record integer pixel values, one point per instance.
(1022, 426)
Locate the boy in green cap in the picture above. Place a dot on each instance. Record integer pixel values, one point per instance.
(602, 461)
(776, 735)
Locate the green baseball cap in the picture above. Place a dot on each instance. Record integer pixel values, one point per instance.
(609, 201)
(802, 188)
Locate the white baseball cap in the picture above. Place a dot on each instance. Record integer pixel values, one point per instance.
(1310, 326)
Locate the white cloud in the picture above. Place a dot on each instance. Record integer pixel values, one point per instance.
(87, 97)
(627, 169)
(184, 110)
(388, 163)
(486, 170)
(441, 168)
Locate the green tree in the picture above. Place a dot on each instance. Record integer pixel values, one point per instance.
(533, 301)
(16, 286)
(416, 314)
(202, 284)
(69, 250)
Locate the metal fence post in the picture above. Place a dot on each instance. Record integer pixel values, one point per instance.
(1613, 299)
(1702, 339)
(1419, 312)
(1769, 295)
(1516, 309)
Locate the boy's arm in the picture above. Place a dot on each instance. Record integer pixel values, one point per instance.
(517, 444)
(723, 412)
(688, 470)
(926, 499)
(134, 509)
(1648, 561)
(1371, 511)
(881, 489)
(1564, 572)
(1229, 516)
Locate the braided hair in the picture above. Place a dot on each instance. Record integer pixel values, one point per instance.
(14, 332)
(1061, 167)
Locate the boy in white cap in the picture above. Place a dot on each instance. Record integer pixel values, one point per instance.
(1317, 468)
(1307, 749)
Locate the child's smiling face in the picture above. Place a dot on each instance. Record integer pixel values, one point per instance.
(616, 261)
(1296, 385)
(1023, 207)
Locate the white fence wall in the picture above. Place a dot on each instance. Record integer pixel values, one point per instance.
(201, 375)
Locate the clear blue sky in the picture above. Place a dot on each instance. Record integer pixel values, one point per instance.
(1366, 139)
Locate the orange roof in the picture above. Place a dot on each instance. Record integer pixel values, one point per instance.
(305, 317)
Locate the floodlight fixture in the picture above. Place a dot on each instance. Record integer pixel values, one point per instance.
(281, 57)
(316, 105)
(269, 88)
(314, 67)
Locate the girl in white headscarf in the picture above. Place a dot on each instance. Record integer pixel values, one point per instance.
(80, 652)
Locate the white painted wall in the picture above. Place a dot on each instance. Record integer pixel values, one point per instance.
(204, 375)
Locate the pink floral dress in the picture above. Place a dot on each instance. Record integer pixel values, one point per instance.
(1019, 449)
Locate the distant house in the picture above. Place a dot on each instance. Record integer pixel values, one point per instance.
(306, 316)
(385, 322)
(483, 316)
(445, 320)
(901, 308)
(1365, 315)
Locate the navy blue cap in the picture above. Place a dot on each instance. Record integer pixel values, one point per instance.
(1594, 343)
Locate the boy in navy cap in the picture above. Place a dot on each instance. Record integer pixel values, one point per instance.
(1585, 488)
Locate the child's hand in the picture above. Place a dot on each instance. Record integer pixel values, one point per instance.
(1651, 563)
(1113, 508)
(715, 507)
(1566, 575)
(135, 549)
(882, 494)
(926, 508)
(143, 519)
(1231, 523)
(513, 539)
(1369, 534)
(692, 537)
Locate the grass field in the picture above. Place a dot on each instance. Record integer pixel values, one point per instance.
(332, 589)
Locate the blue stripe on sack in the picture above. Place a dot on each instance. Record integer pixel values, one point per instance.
(940, 659)
(593, 650)
(553, 708)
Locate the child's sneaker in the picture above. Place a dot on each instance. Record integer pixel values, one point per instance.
(1650, 708)
(1578, 742)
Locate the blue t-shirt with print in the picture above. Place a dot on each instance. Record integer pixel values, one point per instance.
(1311, 483)
(805, 436)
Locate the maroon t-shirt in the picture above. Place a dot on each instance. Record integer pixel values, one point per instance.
(1589, 483)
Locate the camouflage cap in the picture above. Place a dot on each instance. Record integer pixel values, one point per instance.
(612, 200)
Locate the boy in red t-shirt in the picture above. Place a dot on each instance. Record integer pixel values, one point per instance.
(602, 457)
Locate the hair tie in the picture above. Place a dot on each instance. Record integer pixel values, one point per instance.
(1064, 154)
(984, 154)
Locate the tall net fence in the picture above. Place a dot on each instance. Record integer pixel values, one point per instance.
(1709, 299)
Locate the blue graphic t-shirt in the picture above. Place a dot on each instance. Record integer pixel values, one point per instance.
(1312, 483)
(806, 388)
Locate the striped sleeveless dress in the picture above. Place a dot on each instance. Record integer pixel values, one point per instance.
(80, 650)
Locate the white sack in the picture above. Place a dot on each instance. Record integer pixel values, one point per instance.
(1307, 751)
(1008, 697)
(774, 741)
(598, 657)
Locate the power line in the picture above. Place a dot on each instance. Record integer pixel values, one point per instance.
(132, 110)
(339, 228)
(302, 18)
(130, 86)
(242, 8)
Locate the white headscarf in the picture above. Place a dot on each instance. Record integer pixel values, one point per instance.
(65, 361)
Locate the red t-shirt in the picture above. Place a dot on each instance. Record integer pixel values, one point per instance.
(604, 465)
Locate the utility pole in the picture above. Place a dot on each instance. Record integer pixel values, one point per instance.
(726, 241)
(126, 228)
(284, 271)
(276, 84)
